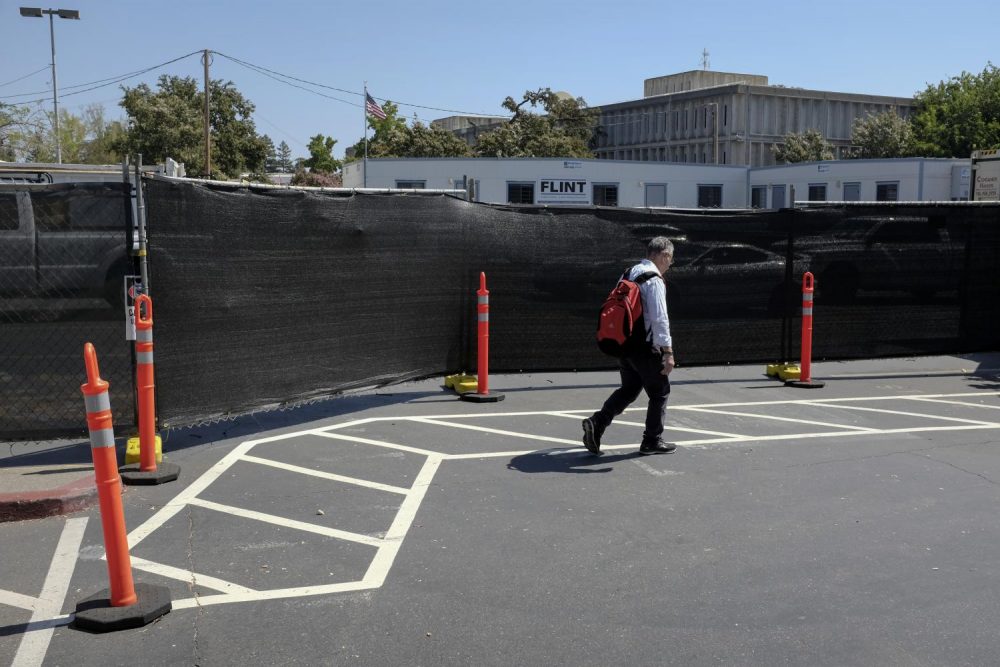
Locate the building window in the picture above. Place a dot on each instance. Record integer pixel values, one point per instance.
(411, 185)
(887, 191)
(709, 196)
(606, 194)
(725, 115)
(520, 193)
(758, 196)
(817, 192)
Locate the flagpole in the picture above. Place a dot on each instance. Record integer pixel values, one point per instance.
(364, 104)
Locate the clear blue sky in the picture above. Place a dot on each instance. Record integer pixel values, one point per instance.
(467, 56)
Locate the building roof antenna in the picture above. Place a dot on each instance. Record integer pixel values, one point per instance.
(704, 59)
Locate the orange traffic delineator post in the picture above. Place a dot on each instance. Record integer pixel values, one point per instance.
(123, 605)
(482, 393)
(146, 471)
(805, 380)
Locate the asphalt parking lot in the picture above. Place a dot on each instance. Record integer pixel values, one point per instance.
(854, 524)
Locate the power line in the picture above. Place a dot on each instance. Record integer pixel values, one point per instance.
(101, 83)
(38, 71)
(266, 71)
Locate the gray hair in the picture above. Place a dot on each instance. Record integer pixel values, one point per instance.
(659, 244)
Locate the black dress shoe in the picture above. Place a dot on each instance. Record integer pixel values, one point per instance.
(658, 447)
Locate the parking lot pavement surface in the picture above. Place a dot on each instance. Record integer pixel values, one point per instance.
(852, 524)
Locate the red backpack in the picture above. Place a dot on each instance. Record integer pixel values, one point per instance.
(621, 316)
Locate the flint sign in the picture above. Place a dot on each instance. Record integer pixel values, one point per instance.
(563, 191)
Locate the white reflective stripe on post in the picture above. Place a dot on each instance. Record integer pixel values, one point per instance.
(97, 403)
(104, 437)
(808, 296)
(144, 357)
(807, 311)
(484, 317)
(144, 335)
(484, 299)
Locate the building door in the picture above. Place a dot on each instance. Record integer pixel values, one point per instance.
(656, 194)
(852, 192)
(777, 196)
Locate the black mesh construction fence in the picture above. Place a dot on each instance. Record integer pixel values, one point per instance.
(269, 297)
(64, 250)
(272, 296)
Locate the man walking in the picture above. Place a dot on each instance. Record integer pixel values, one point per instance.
(648, 364)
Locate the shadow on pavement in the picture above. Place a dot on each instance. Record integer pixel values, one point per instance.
(567, 460)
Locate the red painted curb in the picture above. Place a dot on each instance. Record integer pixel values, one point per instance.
(65, 499)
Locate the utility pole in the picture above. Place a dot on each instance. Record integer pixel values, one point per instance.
(208, 135)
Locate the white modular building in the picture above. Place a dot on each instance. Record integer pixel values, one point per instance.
(589, 182)
(560, 182)
(901, 179)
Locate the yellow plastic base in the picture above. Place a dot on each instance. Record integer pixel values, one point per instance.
(783, 372)
(461, 382)
(790, 372)
(132, 450)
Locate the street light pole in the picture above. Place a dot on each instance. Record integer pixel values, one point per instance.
(38, 12)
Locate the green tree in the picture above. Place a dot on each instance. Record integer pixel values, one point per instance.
(882, 135)
(168, 122)
(958, 116)
(566, 130)
(386, 132)
(271, 154)
(20, 128)
(321, 155)
(102, 137)
(284, 156)
(810, 146)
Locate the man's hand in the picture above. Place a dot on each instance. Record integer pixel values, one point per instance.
(668, 363)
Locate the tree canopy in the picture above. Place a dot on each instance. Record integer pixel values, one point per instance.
(565, 130)
(958, 116)
(810, 146)
(394, 138)
(169, 122)
(321, 155)
(882, 135)
(85, 139)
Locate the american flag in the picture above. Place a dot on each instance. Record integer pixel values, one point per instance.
(372, 107)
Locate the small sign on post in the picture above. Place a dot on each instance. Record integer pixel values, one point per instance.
(132, 289)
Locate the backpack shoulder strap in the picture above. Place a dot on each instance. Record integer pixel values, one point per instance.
(646, 276)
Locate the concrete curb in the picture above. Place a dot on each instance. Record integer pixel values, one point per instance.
(65, 499)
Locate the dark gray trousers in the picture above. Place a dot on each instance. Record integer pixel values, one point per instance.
(639, 372)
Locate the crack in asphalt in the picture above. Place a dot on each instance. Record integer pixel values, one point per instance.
(192, 587)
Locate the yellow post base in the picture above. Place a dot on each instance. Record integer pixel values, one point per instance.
(790, 372)
(772, 370)
(461, 382)
(132, 450)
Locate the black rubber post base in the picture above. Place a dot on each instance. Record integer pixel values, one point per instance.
(97, 615)
(805, 384)
(165, 472)
(473, 397)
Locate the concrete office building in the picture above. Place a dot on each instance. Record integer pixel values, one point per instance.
(710, 117)
(707, 117)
